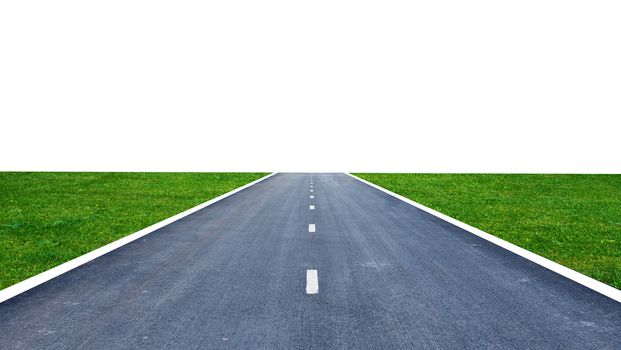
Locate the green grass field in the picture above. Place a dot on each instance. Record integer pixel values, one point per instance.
(574, 220)
(49, 218)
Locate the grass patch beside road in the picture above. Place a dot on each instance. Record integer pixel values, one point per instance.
(574, 220)
(49, 218)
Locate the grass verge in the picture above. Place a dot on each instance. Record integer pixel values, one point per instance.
(574, 220)
(49, 218)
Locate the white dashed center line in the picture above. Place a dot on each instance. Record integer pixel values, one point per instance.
(312, 282)
(312, 197)
(312, 190)
(311, 228)
(311, 207)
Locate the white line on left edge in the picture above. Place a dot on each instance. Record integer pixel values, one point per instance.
(45, 276)
(312, 282)
(311, 227)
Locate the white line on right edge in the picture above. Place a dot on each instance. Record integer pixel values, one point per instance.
(312, 282)
(311, 228)
(575, 276)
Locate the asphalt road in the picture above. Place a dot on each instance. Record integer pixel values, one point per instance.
(234, 275)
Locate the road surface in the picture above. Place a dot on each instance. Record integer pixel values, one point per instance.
(272, 268)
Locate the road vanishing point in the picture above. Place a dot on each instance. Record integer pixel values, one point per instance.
(310, 261)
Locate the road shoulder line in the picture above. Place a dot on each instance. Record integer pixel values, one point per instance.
(573, 275)
(45, 276)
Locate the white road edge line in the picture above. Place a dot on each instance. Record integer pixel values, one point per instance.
(311, 228)
(312, 282)
(311, 207)
(602, 288)
(45, 276)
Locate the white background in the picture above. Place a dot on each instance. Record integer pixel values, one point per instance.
(408, 86)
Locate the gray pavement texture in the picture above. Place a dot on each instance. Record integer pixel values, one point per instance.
(233, 276)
